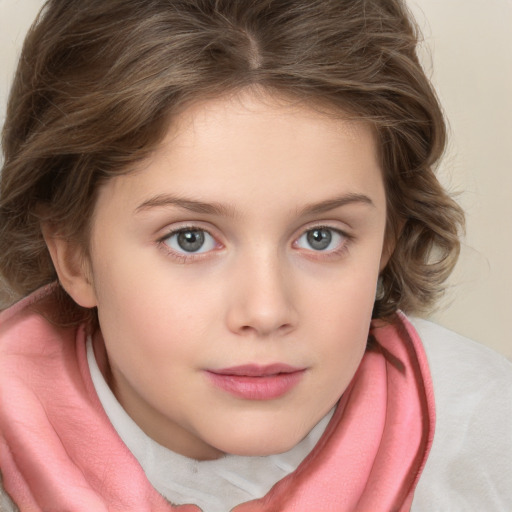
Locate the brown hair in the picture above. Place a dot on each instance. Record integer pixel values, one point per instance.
(98, 81)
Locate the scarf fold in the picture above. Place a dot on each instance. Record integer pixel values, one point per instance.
(59, 451)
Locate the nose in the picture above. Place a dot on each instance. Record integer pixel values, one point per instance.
(262, 298)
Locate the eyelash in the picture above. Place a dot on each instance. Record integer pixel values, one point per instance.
(182, 257)
(333, 253)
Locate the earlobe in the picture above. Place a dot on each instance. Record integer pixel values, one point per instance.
(72, 266)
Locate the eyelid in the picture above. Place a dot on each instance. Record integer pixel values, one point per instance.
(347, 238)
(176, 227)
(325, 224)
(207, 242)
(185, 257)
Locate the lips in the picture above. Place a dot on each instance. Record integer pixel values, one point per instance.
(255, 382)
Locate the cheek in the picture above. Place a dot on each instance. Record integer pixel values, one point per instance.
(342, 308)
(147, 308)
(346, 320)
(347, 290)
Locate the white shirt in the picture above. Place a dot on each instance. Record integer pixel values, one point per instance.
(470, 464)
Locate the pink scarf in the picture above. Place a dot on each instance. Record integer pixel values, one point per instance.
(58, 450)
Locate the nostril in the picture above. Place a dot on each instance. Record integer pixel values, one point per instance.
(257, 312)
(265, 330)
(286, 328)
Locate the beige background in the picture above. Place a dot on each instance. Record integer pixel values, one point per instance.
(468, 53)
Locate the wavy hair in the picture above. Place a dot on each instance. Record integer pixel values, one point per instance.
(98, 83)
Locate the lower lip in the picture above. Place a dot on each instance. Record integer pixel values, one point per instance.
(266, 387)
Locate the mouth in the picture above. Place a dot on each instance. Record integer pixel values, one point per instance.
(255, 382)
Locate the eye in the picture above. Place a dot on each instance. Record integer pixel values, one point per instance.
(190, 241)
(321, 239)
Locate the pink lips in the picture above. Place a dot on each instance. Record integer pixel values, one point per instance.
(254, 382)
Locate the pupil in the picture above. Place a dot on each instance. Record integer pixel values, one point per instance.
(191, 241)
(319, 239)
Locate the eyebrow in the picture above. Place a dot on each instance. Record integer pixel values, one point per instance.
(165, 200)
(336, 202)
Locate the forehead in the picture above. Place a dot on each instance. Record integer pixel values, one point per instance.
(262, 115)
(252, 148)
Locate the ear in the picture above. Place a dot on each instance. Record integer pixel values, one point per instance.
(72, 266)
(387, 251)
(390, 240)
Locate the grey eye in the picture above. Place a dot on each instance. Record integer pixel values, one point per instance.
(191, 241)
(320, 239)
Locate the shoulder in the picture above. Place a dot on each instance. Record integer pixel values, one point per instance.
(35, 325)
(440, 342)
(464, 370)
(470, 465)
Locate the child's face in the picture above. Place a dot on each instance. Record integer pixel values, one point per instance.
(253, 236)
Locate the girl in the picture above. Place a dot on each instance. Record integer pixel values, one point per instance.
(218, 213)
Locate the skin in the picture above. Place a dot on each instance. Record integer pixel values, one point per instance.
(265, 172)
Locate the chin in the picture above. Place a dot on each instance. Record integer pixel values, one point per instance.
(261, 445)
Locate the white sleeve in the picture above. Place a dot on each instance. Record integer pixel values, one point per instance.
(470, 465)
(6, 504)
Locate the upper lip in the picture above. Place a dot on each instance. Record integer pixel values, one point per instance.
(255, 370)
